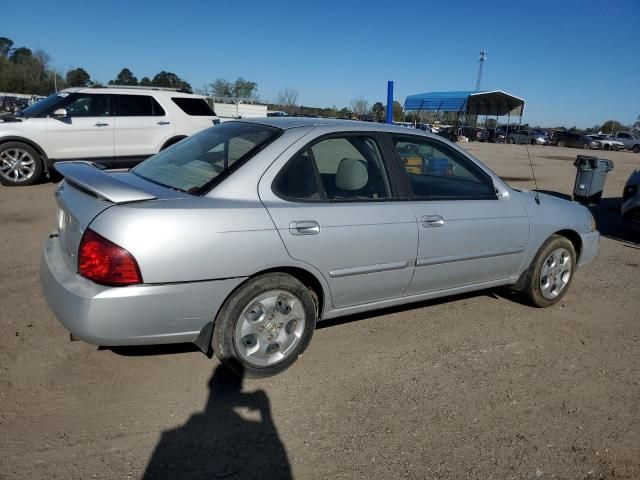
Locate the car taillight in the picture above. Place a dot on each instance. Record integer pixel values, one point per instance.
(105, 262)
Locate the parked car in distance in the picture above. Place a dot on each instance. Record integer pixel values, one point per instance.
(629, 140)
(571, 139)
(242, 237)
(607, 142)
(491, 135)
(114, 126)
(631, 198)
(527, 137)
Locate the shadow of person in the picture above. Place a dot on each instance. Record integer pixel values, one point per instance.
(220, 442)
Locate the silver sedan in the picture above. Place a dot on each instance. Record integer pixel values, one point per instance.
(242, 237)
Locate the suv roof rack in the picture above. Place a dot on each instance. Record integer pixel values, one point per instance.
(143, 87)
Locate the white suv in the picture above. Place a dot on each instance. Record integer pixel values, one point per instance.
(117, 127)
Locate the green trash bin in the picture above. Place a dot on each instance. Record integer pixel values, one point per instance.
(591, 175)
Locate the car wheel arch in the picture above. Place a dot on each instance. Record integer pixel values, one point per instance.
(571, 235)
(307, 278)
(203, 340)
(39, 150)
(574, 238)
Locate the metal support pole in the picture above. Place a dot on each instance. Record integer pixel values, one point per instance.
(519, 123)
(390, 102)
(506, 133)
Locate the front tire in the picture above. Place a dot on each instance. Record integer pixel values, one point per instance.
(551, 272)
(264, 325)
(20, 164)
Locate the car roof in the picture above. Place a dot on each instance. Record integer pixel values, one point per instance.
(296, 122)
(133, 90)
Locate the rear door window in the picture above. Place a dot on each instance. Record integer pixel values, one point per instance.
(195, 107)
(346, 168)
(138, 106)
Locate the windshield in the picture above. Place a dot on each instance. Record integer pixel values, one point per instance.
(43, 105)
(196, 163)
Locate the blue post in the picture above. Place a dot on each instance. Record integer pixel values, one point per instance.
(390, 102)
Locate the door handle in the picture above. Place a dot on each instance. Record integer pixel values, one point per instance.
(100, 124)
(306, 227)
(432, 221)
(163, 123)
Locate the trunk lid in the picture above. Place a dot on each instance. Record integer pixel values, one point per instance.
(87, 191)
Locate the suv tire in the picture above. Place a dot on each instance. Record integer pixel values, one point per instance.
(20, 164)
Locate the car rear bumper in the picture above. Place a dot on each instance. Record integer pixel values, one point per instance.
(590, 244)
(132, 315)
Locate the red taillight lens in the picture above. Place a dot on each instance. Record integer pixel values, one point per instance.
(105, 262)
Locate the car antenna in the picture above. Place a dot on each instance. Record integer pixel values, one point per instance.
(533, 174)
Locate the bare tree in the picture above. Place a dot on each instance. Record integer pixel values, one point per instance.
(288, 98)
(360, 105)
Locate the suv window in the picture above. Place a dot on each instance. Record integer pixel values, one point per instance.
(348, 168)
(138, 106)
(438, 172)
(197, 163)
(88, 105)
(194, 106)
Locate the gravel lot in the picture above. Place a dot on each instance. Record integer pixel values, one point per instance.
(477, 386)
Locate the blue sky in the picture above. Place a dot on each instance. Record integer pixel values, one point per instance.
(574, 62)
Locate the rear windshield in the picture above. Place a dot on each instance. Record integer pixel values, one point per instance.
(194, 106)
(195, 164)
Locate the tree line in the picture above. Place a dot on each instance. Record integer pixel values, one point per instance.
(25, 71)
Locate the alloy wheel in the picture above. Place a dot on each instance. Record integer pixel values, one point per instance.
(555, 273)
(17, 165)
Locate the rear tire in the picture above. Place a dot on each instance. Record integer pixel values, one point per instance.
(562, 143)
(636, 149)
(533, 142)
(586, 146)
(264, 325)
(20, 164)
(551, 272)
(606, 147)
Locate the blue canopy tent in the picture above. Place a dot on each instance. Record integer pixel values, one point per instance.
(494, 102)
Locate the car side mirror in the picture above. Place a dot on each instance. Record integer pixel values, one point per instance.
(60, 113)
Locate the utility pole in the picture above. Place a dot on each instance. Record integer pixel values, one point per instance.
(483, 57)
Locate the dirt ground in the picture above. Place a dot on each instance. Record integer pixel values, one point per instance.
(476, 386)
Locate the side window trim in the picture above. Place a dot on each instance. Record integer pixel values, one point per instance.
(374, 135)
(316, 173)
(392, 137)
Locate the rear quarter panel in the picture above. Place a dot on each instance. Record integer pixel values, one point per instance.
(187, 240)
